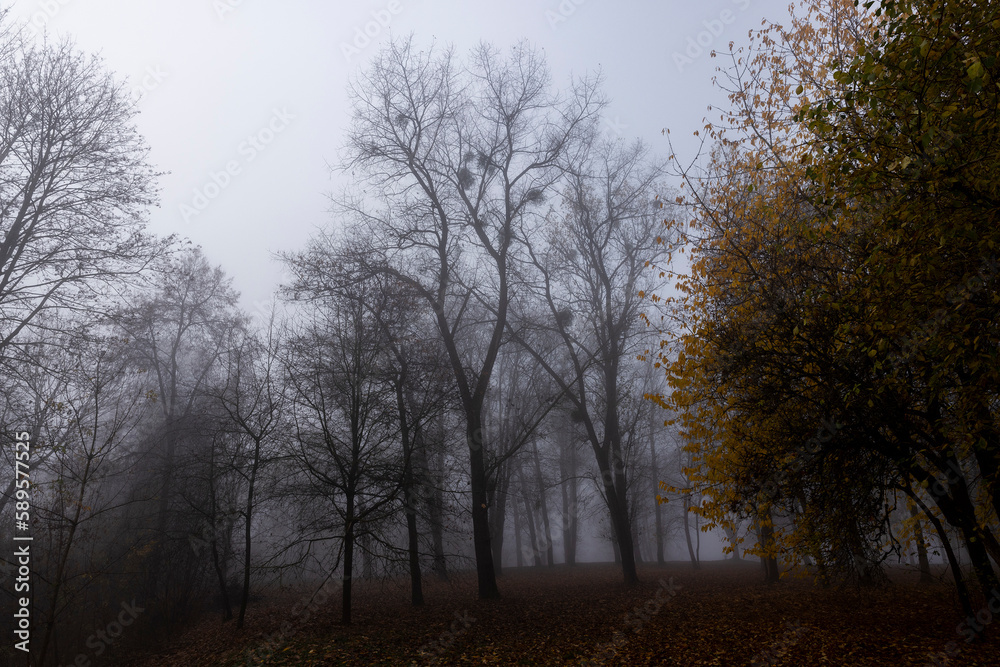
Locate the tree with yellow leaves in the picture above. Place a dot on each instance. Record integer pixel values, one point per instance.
(841, 340)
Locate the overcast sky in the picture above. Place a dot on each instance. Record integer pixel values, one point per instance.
(260, 87)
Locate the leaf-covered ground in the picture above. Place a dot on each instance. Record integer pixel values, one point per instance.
(719, 615)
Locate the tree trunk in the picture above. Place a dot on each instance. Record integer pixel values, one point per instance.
(485, 573)
(533, 536)
(544, 506)
(923, 562)
(498, 517)
(409, 440)
(472, 405)
(367, 561)
(160, 537)
(516, 511)
(564, 497)
(635, 531)
(50, 626)
(769, 559)
(697, 537)
(413, 547)
(569, 501)
(731, 536)
(435, 510)
(657, 510)
(968, 524)
(247, 543)
(987, 456)
(227, 607)
(619, 488)
(956, 567)
(529, 518)
(687, 533)
(227, 613)
(980, 561)
(345, 608)
(622, 530)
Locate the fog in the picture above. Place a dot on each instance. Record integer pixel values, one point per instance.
(354, 315)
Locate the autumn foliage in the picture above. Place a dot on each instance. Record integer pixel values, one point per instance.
(839, 359)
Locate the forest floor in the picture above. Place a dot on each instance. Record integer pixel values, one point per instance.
(721, 614)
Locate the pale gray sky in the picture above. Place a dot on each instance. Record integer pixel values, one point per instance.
(260, 88)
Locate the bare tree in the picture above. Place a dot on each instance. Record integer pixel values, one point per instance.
(344, 422)
(569, 484)
(430, 449)
(31, 392)
(590, 274)
(74, 185)
(653, 412)
(102, 405)
(543, 506)
(456, 158)
(521, 397)
(179, 330)
(253, 400)
(422, 389)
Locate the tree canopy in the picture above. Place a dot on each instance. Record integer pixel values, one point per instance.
(841, 336)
